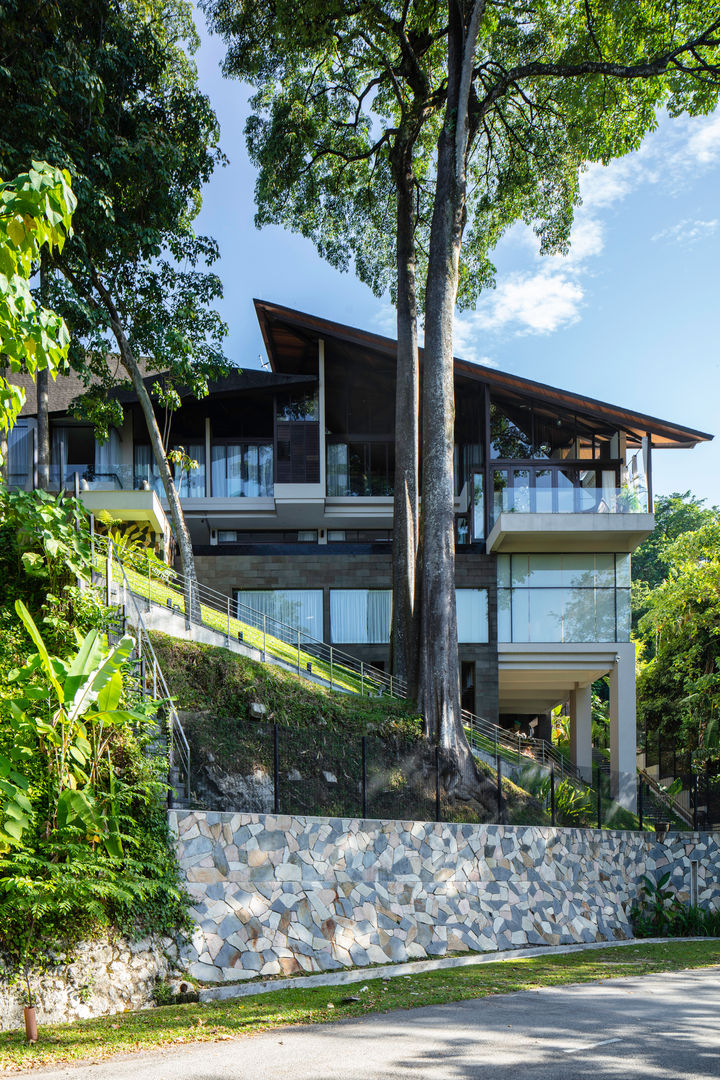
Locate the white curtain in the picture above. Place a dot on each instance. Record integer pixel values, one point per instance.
(360, 616)
(145, 469)
(296, 609)
(472, 615)
(242, 470)
(191, 484)
(337, 469)
(19, 443)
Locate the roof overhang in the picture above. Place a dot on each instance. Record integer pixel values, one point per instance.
(275, 320)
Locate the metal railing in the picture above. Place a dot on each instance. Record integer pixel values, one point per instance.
(273, 639)
(666, 799)
(489, 738)
(151, 681)
(311, 658)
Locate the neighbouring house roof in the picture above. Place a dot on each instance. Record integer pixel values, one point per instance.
(63, 390)
(290, 335)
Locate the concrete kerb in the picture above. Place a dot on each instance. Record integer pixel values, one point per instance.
(393, 971)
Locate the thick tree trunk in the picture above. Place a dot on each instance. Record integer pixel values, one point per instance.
(439, 695)
(407, 381)
(42, 386)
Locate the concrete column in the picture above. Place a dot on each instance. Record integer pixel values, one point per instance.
(581, 730)
(321, 416)
(623, 761)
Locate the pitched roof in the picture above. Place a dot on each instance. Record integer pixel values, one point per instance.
(280, 324)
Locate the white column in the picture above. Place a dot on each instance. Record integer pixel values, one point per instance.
(207, 457)
(623, 761)
(581, 730)
(321, 415)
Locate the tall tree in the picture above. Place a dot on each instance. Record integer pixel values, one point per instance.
(593, 75)
(108, 90)
(344, 96)
(529, 91)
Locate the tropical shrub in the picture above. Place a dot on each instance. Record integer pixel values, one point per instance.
(83, 839)
(659, 912)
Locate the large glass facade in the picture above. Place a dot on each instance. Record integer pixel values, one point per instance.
(300, 609)
(360, 468)
(472, 615)
(360, 616)
(563, 598)
(190, 483)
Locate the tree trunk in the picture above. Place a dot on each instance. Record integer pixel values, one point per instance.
(403, 638)
(439, 696)
(42, 386)
(192, 597)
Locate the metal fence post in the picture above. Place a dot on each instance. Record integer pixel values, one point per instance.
(498, 765)
(228, 620)
(276, 769)
(518, 749)
(362, 675)
(363, 743)
(264, 629)
(108, 574)
(391, 689)
(640, 804)
(331, 668)
(599, 799)
(298, 650)
(438, 815)
(552, 795)
(695, 802)
(149, 582)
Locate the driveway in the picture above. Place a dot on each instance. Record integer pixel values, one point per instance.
(649, 1027)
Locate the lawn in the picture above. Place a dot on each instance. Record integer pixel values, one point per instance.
(175, 1025)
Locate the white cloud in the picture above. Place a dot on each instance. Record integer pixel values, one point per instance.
(688, 231)
(531, 303)
(703, 145)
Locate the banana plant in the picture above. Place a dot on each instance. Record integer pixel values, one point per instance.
(70, 714)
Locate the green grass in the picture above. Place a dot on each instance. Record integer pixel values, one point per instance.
(162, 593)
(174, 1025)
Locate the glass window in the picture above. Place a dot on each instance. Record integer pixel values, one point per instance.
(622, 571)
(503, 571)
(472, 615)
(545, 615)
(510, 431)
(504, 627)
(622, 599)
(478, 506)
(360, 616)
(298, 407)
(227, 536)
(242, 470)
(298, 609)
(307, 536)
(190, 483)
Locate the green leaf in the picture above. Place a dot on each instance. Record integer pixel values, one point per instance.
(34, 633)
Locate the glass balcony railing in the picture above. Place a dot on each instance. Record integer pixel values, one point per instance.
(528, 489)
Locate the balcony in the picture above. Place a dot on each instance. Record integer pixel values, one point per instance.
(556, 507)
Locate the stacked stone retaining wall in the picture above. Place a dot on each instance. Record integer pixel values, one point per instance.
(280, 895)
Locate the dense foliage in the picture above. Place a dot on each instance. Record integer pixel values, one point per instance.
(83, 836)
(35, 213)
(679, 687)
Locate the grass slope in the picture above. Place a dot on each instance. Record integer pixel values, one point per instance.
(175, 1025)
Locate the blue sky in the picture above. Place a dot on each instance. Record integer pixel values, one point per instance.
(631, 315)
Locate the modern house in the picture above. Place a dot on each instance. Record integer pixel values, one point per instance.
(291, 512)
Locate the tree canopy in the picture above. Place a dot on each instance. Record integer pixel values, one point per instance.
(36, 210)
(679, 688)
(108, 90)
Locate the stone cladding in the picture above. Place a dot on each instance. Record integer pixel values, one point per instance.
(279, 895)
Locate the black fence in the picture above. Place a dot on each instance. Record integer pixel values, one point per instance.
(257, 767)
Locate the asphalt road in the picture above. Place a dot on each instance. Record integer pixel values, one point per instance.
(651, 1028)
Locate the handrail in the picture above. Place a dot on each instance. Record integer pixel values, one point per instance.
(152, 680)
(665, 798)
(291, 645)
(313, 658)
(482, 732)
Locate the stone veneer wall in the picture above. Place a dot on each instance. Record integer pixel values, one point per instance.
(280, 894)
(101, 977)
